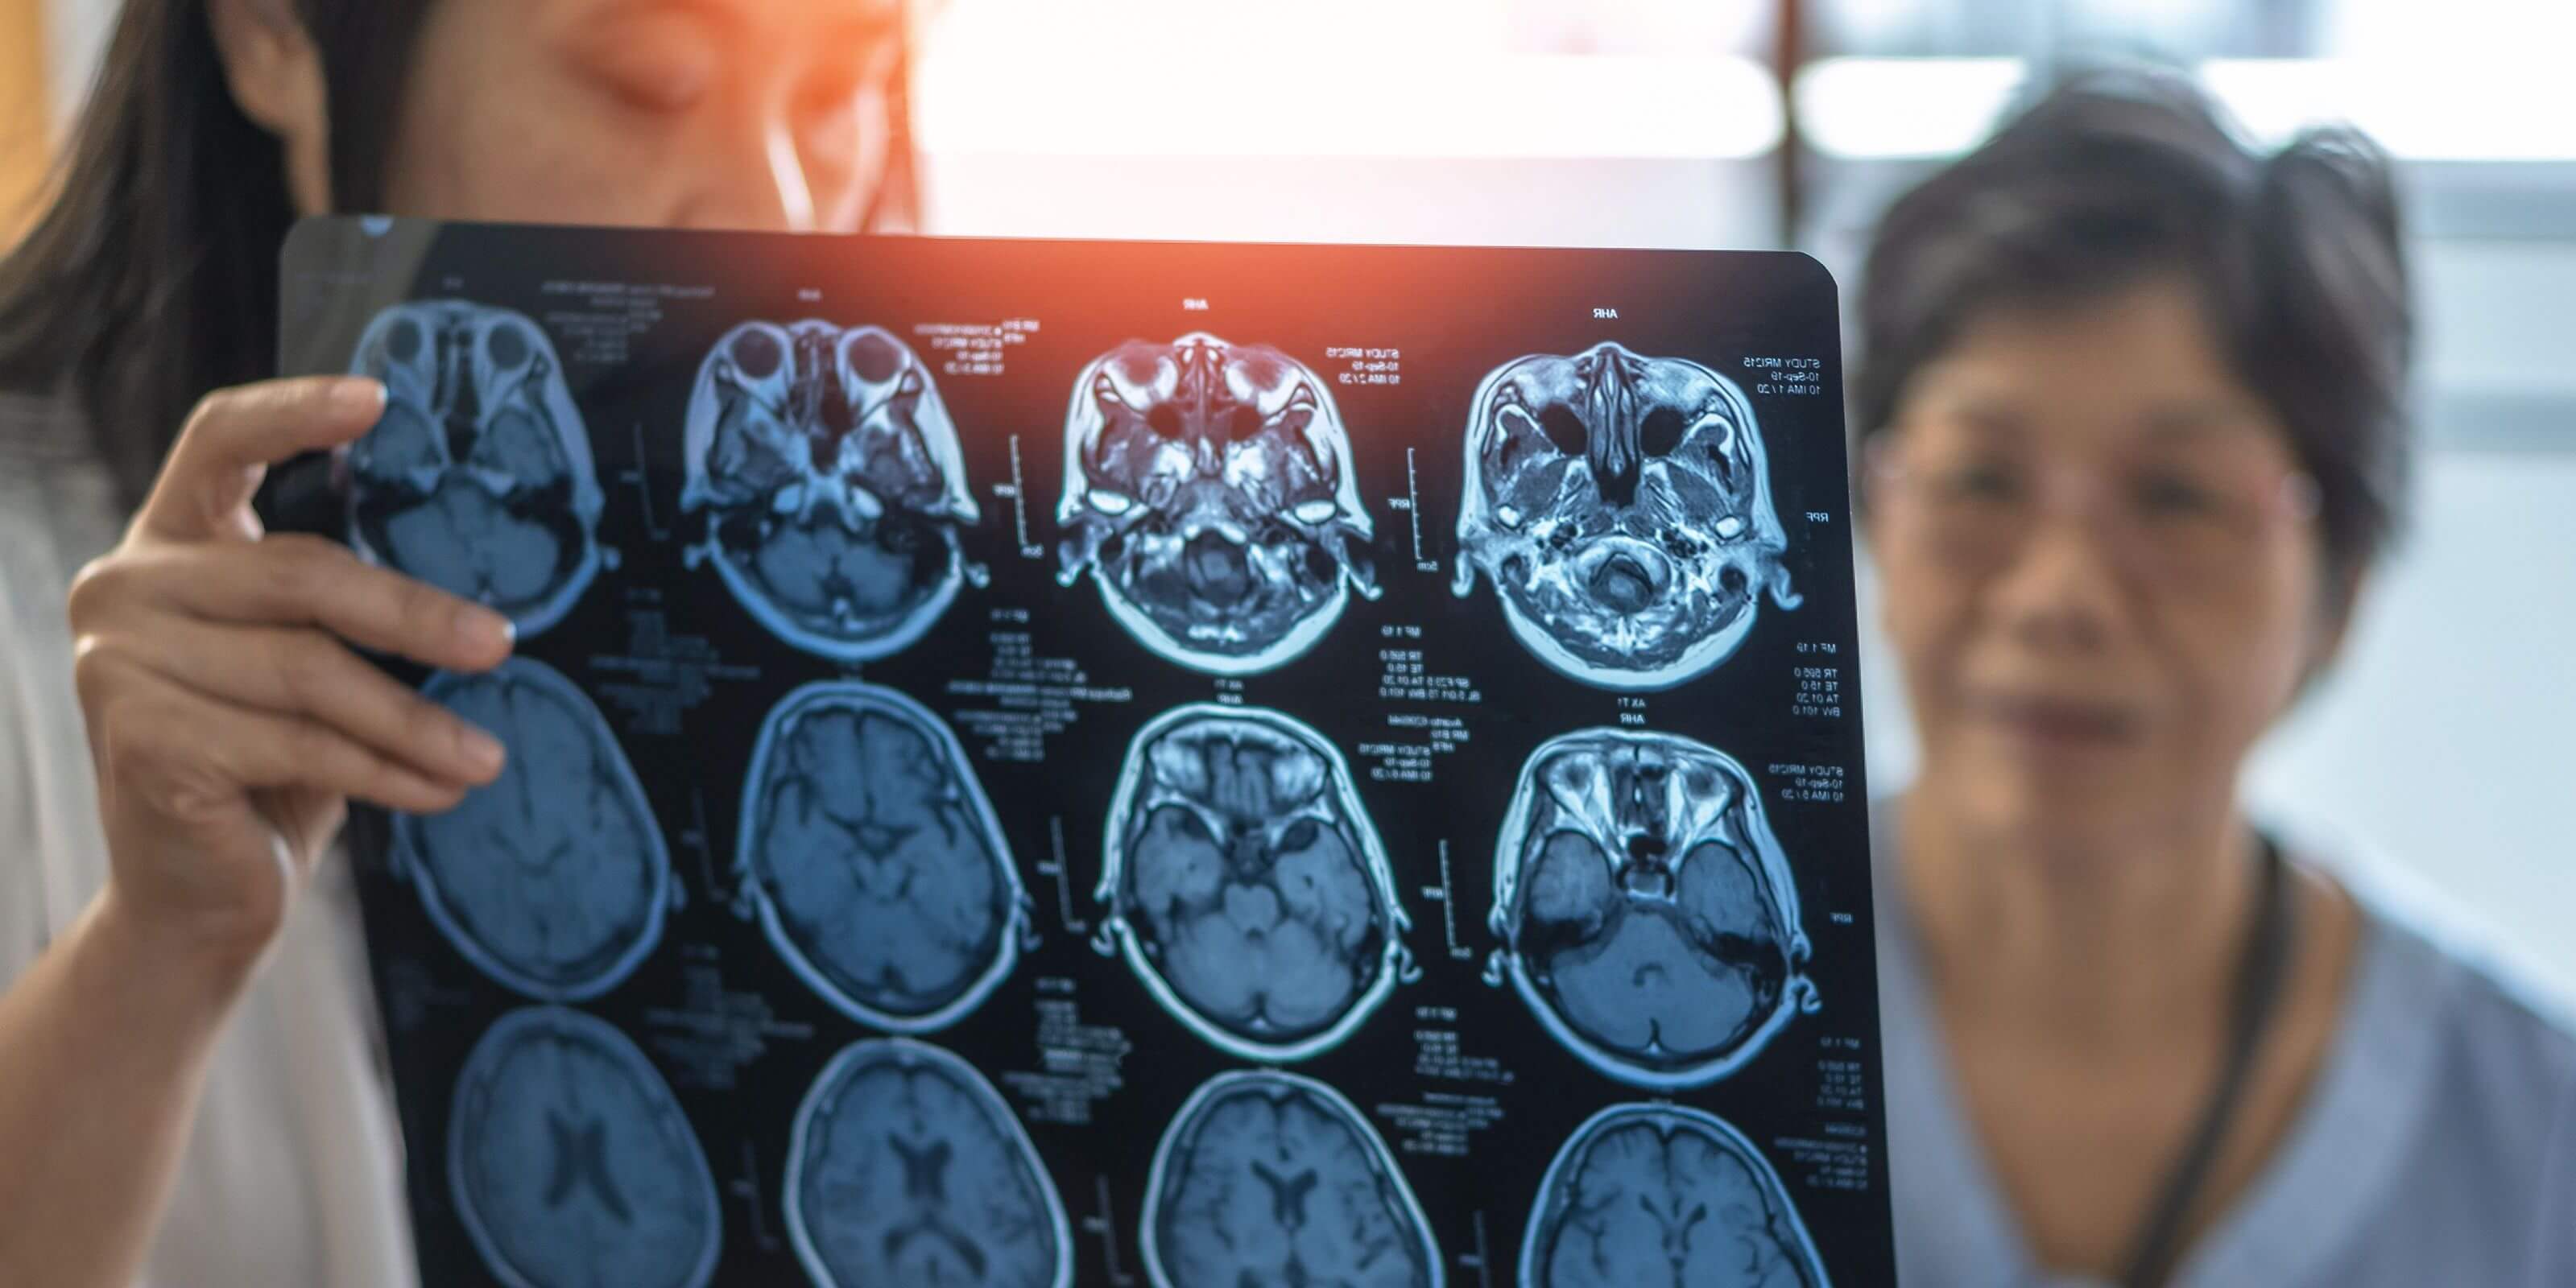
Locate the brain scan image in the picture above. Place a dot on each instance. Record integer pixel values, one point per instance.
(478, 480)
(1646, 913)
(872, 857)
(833, 482)
(1246, 885)
(571, 1163)
(1267, 1178)
(554, 878)
(1622, 508)
(1208, 490)
(1665, 1196)
(906, 1168)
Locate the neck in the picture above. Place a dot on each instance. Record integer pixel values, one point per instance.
(2100, 946)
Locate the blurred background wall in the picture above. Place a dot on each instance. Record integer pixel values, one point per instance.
(2441, 745)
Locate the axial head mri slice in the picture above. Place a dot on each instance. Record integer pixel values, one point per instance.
(1666, 1196)
(873, 859)
(1621, 506)
(834, 484)
(1647, 915)
(572, 1164)
(478, 480)
(1271, 1178)
(1246, 885)
(1209, 491)
(553, 879)
(907, 1168)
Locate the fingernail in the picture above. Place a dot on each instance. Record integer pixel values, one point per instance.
(359, 396)
(481, 749)
(483, 630)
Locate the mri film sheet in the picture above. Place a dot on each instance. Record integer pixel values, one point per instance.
(1144, 765)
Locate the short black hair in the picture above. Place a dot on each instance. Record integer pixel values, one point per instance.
(2116, 175)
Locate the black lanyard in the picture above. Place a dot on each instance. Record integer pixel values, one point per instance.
(2256, 995)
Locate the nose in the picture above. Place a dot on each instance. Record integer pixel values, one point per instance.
(2061, 589)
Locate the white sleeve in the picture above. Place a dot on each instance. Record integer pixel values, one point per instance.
(38, 871)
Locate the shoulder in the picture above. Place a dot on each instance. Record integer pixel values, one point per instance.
(2490, 1132)
(2507, 1031)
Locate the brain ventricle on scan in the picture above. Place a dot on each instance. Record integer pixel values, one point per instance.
(1247, 886)
(1621, 505)
(1266, 1177)
(478, 479)
(907, 1168)
(554, 878)
(572, 1164)
(1647, 914)
(1208, 490)
(874, 860)
(1665, 1195)
(834, 485)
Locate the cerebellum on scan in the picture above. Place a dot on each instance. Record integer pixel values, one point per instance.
(1209, 493)
(1267, 1177)
(478, 479)
(1621, 506)
(870, 854)
(907, 1168)
(1647, 914)
(1246, 885)
(572, 1164)
(553, 879)
(833, 485)
(1666, 1195)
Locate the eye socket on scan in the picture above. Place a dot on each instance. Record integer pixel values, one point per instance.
(1108, 502)
(1661, 433)
(757, 354)
(508, 347)
(1563, 428)
(1316, 511)
(1164, 419)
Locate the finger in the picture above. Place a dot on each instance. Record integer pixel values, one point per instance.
(191, 753)
(303, 672)
(236, 434)
(298, 580)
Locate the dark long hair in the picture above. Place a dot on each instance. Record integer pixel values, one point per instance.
(152, 277)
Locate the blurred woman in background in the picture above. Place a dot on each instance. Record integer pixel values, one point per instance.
(2131, 407)
(189, 1085)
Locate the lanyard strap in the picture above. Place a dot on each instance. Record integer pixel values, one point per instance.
(2260, 974)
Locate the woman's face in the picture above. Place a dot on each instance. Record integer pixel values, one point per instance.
(763, 114)
(2101, 577)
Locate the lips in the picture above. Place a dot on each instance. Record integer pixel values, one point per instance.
(2061, 722)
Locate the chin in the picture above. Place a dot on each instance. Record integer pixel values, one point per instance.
(2073, 802)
